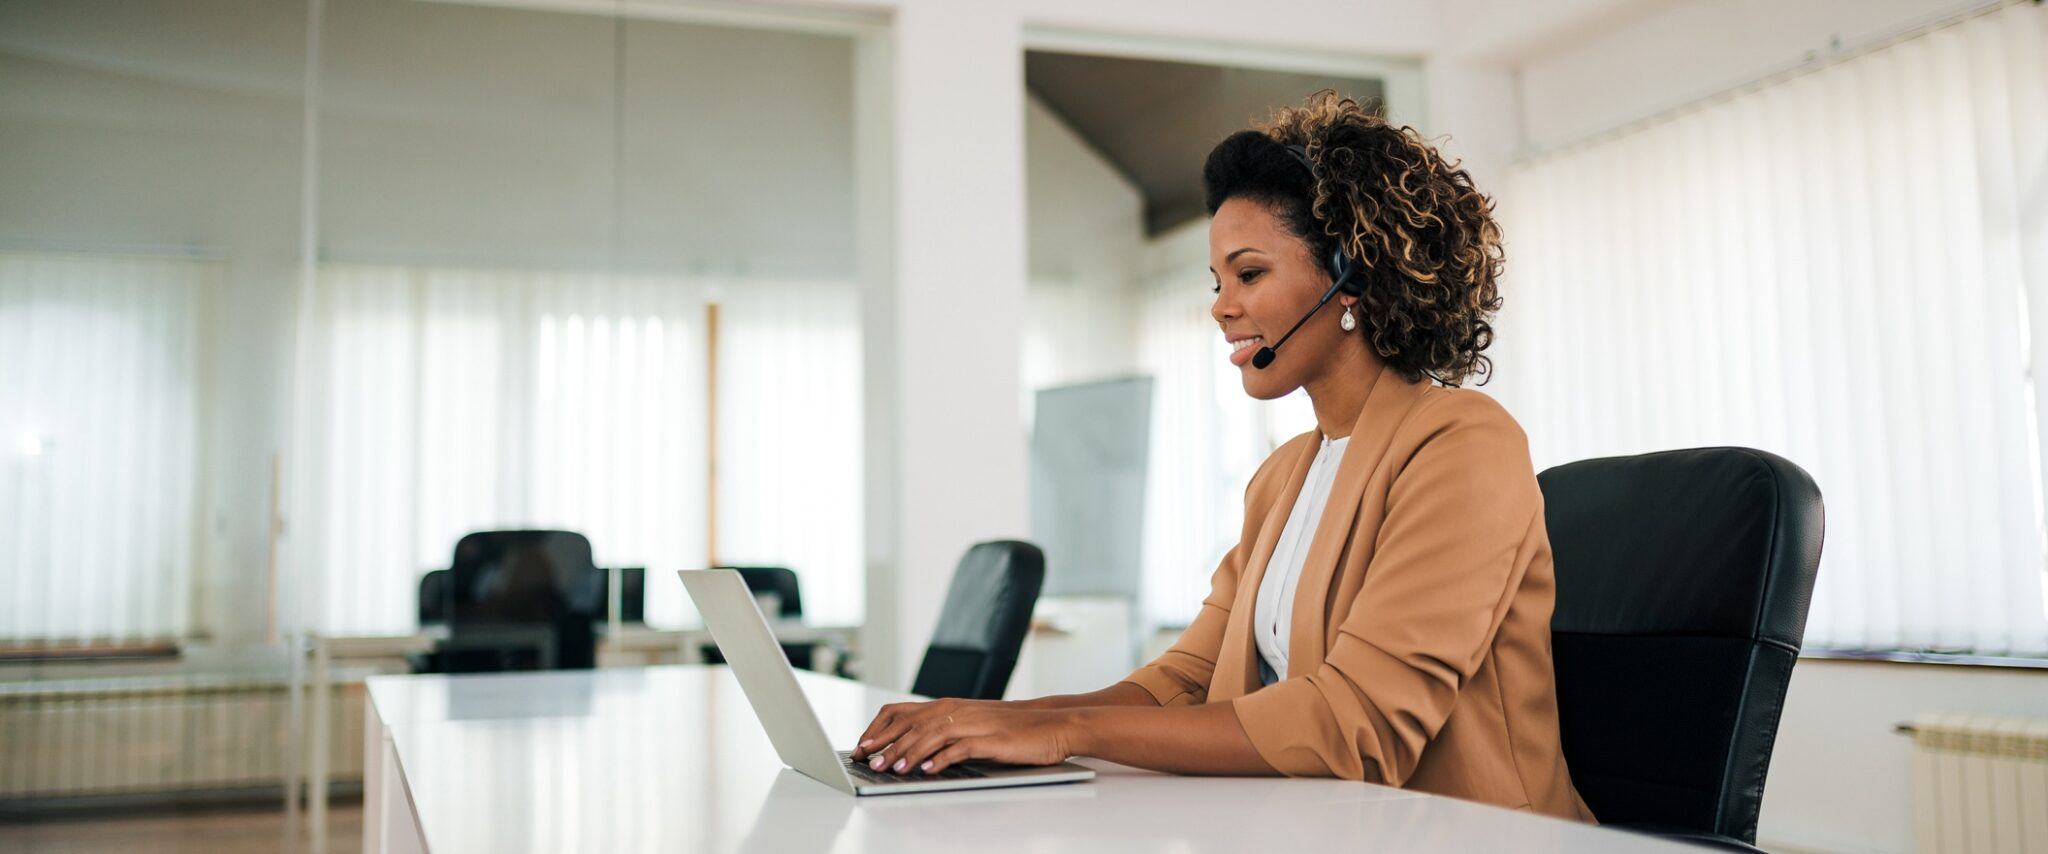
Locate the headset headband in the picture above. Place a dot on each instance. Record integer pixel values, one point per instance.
(1301, 155)
(1342, 273)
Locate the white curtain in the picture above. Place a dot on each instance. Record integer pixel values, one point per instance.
(99, 399)
(1208, 437)
(447, 401)
(789, 438)
(1836, 268)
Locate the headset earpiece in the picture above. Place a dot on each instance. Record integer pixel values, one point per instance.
(1342, 274)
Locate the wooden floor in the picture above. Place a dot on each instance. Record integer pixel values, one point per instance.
(210, 831)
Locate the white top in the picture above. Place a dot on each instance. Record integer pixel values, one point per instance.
(672, 759)
(1274, 613)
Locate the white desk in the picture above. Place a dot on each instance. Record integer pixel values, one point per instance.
(671, 759)
(628, 644)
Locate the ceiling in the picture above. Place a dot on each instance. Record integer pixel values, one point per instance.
(1156, 121)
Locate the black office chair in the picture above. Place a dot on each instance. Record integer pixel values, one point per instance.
(781, 581)
(1683, 580)
(437, 597)
(632, 592)
(437, 594)
(517, 600)
(982, 625)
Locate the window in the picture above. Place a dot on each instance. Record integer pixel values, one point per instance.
(1208, 438)
(1836, 268)
(98, 477)
(443, 401)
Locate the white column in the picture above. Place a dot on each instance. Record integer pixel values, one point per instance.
(940, 155)
(1475, 104)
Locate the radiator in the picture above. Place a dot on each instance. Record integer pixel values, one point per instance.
(1980, 784)
(149, 735)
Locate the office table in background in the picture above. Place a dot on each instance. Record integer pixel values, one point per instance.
(672, 759)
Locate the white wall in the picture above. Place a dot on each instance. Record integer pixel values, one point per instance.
(1671, 52)
(943, 306)
(471, 132)
(1085, 226)
(1839, 776)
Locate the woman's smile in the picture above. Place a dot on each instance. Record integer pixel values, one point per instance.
(1241, 349)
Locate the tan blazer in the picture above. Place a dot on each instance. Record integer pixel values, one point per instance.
(1420, 650)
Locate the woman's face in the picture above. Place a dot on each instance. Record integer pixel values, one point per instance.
(1265, 282)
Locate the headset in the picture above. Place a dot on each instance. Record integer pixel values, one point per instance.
(1343, 275)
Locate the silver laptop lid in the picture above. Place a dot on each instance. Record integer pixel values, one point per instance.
(765, 676)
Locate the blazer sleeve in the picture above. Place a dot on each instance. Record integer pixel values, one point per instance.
(1180, 676)
(1452, 549)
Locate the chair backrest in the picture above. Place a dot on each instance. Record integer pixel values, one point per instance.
(779, 580)
(1683, 580)
(982, 626)
(437, 594)
(515, 578)
(437, 597)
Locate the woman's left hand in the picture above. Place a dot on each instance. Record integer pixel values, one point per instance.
(930, 737)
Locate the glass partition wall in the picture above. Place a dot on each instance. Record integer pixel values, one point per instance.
(292, 296)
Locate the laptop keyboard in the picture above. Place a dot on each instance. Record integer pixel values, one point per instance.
(862, 771)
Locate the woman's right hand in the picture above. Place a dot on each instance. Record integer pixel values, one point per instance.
(897, 718)
(884, 728)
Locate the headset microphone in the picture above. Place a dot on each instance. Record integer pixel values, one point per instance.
(1341, 276)
(1265, 355)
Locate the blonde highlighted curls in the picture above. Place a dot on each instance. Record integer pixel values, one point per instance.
(1424, 235)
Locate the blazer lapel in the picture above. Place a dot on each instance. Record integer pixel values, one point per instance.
(1237, 673)
(1387, 404)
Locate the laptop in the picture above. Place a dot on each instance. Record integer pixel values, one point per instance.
(742, 635)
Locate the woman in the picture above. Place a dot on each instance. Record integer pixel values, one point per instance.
(1385, 615)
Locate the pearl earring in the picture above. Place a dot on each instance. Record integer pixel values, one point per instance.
(1346, 321)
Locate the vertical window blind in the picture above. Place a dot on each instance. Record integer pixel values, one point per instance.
(790, 450)
(1208, 438)
(1836, 267)
(99, 398)
(447, 401)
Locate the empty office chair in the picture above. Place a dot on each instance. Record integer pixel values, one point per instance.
(519, 600)
(1683, 580)
(781, 581)
(437, 594)
(982, 625)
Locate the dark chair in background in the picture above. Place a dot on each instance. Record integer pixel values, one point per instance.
(778, 580)
(437, 594)
(782, 582)
(437, 597)
(517, 600)
(632, 593)
(982, 626)
(1683, 580)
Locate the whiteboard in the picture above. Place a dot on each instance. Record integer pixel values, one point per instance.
(1089, 444)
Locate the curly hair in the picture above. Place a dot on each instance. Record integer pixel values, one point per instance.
(1425, 238)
